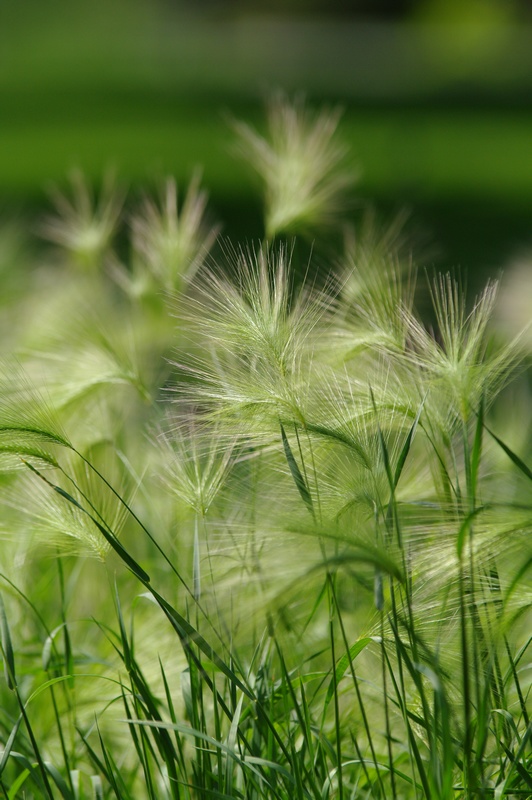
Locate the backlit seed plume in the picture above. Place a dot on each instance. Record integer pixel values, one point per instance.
(458, 365)
(84, 225)
(26, 418)
(259, 337)
(195, 464)
(171, 243)
(46, 518)
(300, 164)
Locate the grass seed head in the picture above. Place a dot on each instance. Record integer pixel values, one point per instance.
(170, 243)
(300, 164)
(83, 225)
(197, 461)
(259, 336)
(457, 364)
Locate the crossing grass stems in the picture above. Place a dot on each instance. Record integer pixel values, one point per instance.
(263, 536)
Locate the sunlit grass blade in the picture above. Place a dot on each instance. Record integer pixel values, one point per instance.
(146, 703)
(179, 749)
(297, 475)
(113, 772)
(8, 745)
(344, 663)
(518, 764)
(111, 539)
(30, 770)
(104, 767)
(476, 450)
(245, 762)
(64, 790)
(97, 787)
(403, 455)
(305, 778)
(18, 783)
(7, 648)
(512, 670)
(189, 635)
(125, 654)
(415, 671)
(143, 749)
(43, 775)
(232, 739)
(519, 463)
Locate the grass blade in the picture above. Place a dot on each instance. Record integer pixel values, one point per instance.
(406, 447)
(476, 450)
(519, 463)
(343, 663)
(188, 634)
(296, 473)
(7, 648)
(119, 549)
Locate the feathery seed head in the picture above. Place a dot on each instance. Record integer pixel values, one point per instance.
(259, 335)
(85, 353)
(299, 163)
(370, 313)
(49, 519)
(374, 249)
(196, 464)
(25, 414)
(375, 285)
(457, 365)
(83, 226)
(171, 243)
(353, 425)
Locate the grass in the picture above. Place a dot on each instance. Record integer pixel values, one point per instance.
(265, 530)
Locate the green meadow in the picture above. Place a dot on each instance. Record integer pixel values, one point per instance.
(265, 451)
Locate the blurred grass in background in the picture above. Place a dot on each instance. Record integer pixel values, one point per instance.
(436, 97)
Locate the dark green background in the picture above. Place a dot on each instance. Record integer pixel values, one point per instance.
(436, 100)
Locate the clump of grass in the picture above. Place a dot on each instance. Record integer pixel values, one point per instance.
(313, 558)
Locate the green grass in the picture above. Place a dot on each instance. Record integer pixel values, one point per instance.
(265, 532)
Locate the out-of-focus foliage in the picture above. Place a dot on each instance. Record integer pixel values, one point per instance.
(435, 98)
(308, 508)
